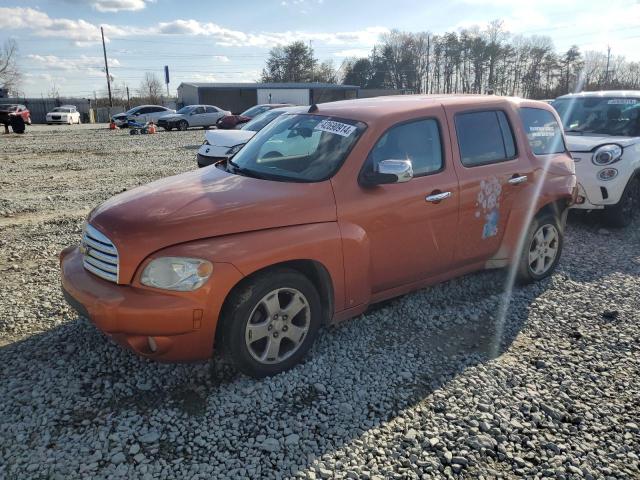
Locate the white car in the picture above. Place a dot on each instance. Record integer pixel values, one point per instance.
(67, 114)
(192, 116)
(603, 134)
(141, 114)
(223, 144)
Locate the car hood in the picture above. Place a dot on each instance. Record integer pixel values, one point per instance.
(228, 138)
(204, 203)
(587, 143)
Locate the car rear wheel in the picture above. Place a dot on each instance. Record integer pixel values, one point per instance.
(270, 323)
(183, 125)
(622, 213)
(541, 249)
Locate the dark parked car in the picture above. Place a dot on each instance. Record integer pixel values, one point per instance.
(19, 110)
(232, 121)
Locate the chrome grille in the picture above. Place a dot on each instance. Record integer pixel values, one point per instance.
(100, 256)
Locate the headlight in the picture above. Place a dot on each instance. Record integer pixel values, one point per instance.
(607, 174)
(177, 273)
(235, 149)
(206, 142)
(607, 154)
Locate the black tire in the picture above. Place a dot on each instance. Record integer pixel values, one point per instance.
(183, 125)
(168, 129)
(529, 272)
(622, 213)
(245, 304)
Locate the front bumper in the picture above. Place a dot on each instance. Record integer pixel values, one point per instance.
(57, 120)
(597, 193)
(121, 122)
(165, 124)
(182, 324)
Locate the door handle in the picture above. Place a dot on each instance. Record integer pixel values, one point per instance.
(517, 180)
(437, 197)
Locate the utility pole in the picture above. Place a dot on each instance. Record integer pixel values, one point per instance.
(128, 101)
(311, 52)
(106, 69)
(606, 74)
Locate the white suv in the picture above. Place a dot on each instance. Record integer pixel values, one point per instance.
(603, 135)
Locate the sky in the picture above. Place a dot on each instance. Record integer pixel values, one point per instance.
(228, 41)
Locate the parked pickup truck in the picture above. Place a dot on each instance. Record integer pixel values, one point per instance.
(380, 197)
(603, 135)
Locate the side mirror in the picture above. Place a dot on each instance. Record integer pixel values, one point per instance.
(389, 171)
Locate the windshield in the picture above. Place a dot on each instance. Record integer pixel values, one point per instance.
(186, 109)
(616, 116)
(260, 121)
(299, 148)
(132, 111)
(62, 110)
(253, 111)
(8, 108)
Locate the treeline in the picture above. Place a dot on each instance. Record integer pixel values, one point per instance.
(478, 61)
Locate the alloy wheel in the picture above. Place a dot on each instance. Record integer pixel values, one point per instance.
(277, 325)
(543, 249)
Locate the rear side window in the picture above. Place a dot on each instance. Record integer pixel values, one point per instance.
(484, 137)
(543, 132)
(418, 141)
(212, 110)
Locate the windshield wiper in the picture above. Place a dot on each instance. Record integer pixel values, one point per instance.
(244, 171)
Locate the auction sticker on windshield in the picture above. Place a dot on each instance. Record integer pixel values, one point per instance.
(622, 101)
(339, 128)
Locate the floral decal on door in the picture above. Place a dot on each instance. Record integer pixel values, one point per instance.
(488, 206)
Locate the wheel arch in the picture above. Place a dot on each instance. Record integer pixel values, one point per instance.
(313, 270)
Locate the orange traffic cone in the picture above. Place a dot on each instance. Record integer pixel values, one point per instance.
(112, 125)
(151, 128)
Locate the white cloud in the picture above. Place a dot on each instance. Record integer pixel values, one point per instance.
(78, 31)
(112, 6)
(221, 58)
(84, 61)
(235, 38)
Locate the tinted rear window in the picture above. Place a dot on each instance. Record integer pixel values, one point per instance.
(543, 132)
(484, 137)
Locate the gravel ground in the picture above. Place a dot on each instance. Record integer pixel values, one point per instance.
(406, 391)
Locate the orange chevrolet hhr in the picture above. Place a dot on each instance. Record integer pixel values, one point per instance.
(320, 215)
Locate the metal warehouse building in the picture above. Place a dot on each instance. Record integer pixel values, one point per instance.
(237, 97)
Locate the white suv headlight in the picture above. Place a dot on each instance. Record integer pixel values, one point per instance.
(607, 154)
(177, 273)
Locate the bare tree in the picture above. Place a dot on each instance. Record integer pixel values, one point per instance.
(53, 91)
(9, 73)
(151, 88)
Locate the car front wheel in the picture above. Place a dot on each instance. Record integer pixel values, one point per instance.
(622, 213)
(183, 125)
(541, 249)
(270, 323)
